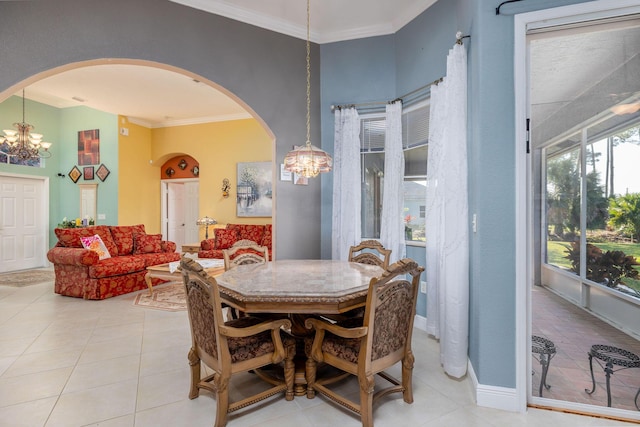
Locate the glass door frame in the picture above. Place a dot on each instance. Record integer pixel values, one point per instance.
(525, 232)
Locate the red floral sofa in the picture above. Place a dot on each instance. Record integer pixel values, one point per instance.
(224, 238)
(80, 273)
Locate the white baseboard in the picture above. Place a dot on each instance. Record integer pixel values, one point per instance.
(495, 397)
(420, 322)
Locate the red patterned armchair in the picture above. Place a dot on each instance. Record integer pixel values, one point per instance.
(96, 274)
(224, 238)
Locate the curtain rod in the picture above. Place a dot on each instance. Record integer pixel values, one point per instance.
(377, 103)
(459, 38)
(503, 3)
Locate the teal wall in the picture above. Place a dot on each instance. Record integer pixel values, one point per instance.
(60, 127)
(76, 119)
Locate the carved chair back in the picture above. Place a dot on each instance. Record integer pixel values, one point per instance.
(370, 252)
(245, 252)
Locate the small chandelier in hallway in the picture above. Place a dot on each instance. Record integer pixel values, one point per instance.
(23, 144)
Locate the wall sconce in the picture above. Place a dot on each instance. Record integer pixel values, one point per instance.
(225, 188)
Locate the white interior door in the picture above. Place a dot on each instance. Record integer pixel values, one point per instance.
(176, 213)
(23, 223)
(191, 209)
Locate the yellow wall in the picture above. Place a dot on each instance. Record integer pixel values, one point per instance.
(218, 147)
(138, 182)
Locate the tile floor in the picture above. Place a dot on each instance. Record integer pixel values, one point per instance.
(574, 331)
(68, 362)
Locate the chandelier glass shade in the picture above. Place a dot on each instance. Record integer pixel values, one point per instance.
(22, 143)
(307, 160)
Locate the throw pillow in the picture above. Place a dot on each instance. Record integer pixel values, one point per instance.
(147, 243)
(95, 243)
(225, 238)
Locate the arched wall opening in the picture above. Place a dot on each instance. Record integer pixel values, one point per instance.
(141, 152)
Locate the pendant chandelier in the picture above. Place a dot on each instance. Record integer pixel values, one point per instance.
(307, 160)
(23, 144)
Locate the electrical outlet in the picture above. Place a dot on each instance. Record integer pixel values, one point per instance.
(102, 216)
(423, 287)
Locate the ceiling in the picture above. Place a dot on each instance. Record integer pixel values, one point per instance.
(579, 72)
(156, 98)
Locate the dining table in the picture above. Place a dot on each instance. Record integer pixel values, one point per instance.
(298, 289)
(298, 286)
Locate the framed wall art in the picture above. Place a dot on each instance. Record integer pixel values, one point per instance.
(103, 172)
(254, 190)
(75, 174)
(89, 147)
(87, 173)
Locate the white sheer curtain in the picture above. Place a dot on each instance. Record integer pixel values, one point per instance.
(392, 225)
(346, 183)
(447, 216)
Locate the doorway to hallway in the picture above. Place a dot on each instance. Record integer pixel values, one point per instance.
(180, 207)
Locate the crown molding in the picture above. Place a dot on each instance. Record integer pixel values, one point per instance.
(282, 26)
(190, 121)
(249, 16)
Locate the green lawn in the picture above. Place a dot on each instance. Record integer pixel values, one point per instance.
(557, 251)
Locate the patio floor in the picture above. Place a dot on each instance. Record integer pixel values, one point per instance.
(573, 331)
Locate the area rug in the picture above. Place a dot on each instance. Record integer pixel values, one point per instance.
(165, 297)
(27, 277)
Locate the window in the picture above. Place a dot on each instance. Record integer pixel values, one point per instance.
(593, 203)
(415, 132)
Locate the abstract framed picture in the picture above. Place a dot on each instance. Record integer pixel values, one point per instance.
(103, 172)
(254, 191)
(89, 147)
(75, 174)
(87, 173)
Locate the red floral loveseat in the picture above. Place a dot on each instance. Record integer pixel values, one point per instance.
(80, 273)
(224, 238)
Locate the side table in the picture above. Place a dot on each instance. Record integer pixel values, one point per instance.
(611, 356)
(546, 349)
(190, 248)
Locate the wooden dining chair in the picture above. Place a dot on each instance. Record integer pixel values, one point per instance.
(370, 252)
(245, 252)
(232, 347)
(367, 346)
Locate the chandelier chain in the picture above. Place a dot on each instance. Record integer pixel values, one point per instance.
(307, 160)
(308, 75)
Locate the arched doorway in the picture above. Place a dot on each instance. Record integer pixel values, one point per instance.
(137, 165)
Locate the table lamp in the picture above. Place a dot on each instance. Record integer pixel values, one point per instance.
(206, 221)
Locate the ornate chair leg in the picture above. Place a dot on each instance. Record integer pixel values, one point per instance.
(222, 399)
(407, 382)
(545, 367)
(194, 363)
(310, 377)
(289, 370)
(593, 380)
(366, 400)
(608, 370)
